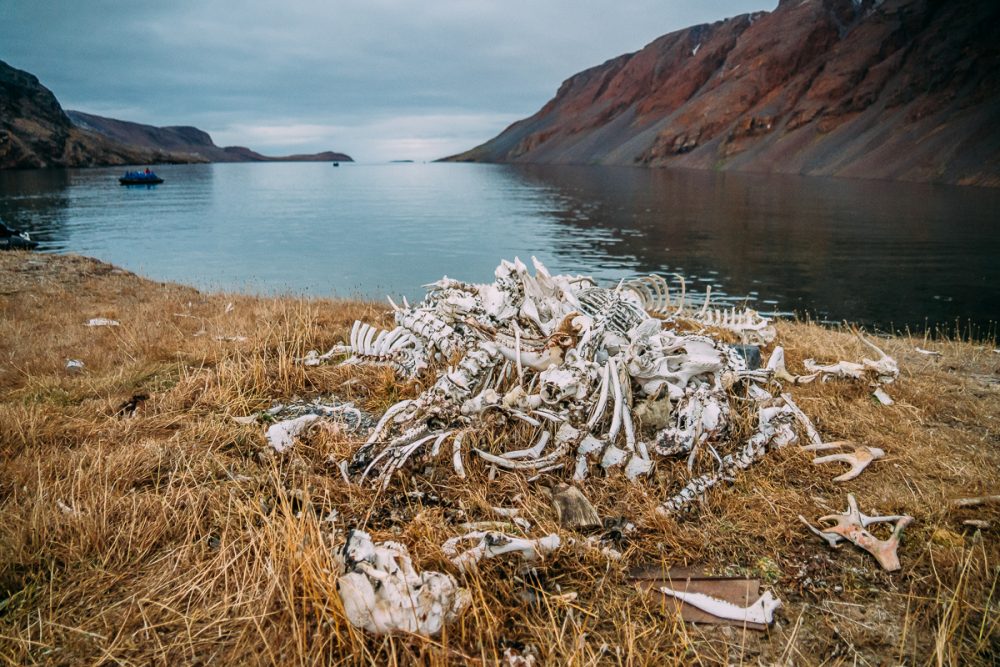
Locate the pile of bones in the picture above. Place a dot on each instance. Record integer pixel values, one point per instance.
(581, 367)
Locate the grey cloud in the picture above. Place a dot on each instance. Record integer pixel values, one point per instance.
(346, 66)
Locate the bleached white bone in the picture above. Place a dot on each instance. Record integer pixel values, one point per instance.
(492, 544)
(814, 438)
(282, 435)
(102, 322)
(383, 593)
(761, 611)
(882, 397)
(456, 455)
(858, 460)
(532, 452)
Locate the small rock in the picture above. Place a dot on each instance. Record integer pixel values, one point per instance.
(573, 510)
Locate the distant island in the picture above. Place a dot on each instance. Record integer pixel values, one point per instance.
(35, 131)
(893, 89)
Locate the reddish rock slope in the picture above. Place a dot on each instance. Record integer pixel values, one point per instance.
(900, 89)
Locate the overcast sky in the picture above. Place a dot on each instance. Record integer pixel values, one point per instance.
(378, 79)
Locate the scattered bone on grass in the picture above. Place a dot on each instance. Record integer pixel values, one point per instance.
(491, 545)
(761, 611)
(282, 435)
(382, 592)
(976, 501)
(852, 526)
(882, 397)
(858, 460)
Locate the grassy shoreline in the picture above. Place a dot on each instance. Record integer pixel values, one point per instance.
(178, 537)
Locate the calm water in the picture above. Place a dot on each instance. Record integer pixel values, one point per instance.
(881, 253)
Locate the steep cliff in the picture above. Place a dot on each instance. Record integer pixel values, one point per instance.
(36, 132)
(900, 89)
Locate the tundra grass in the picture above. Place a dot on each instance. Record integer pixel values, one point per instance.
(176, 537)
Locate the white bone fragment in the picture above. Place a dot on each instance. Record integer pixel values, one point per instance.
(532, 452)
(102, 322)
(66, 509)
(512, 513)
(456, 455)
(776, 364)
(617, 410)
(74, 365)
(820, 446)
(436, 449)
(804, 421)
(314, 358)
(541, 471)
(637, 466)
(858, 461)
(493, 544)
(975, 501)
(602, 399)
(930, 353)
(761, 611)
(882, 397)
(841, 369)
(383, 593)
(613, 457)
(282, 435)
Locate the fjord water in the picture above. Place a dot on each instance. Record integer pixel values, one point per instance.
(879, 253)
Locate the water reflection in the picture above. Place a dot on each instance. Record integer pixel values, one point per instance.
(865, 251)
(875, 252)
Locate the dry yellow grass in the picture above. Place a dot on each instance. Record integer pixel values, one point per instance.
(187, 542)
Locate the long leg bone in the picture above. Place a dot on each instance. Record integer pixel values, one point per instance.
(761, 611)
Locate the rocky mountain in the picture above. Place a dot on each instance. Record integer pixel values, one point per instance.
(185, 139)
(35, 131)
(897, 89)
